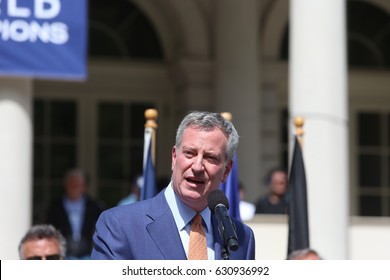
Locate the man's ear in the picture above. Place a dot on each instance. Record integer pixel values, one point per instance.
(228, 167)
(174, 155)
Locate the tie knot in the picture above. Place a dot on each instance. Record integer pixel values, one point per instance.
(197, 219)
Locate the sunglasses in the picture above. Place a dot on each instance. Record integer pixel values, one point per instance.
(48, 257)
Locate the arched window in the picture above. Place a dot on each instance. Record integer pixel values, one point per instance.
(368, 35)
(120, 29)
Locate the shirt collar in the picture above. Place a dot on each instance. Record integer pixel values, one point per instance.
(182, 213)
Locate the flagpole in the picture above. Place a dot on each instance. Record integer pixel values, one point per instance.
(149, 188)
(299, 122)
(151, 116)
(298, 220)
(227, 115)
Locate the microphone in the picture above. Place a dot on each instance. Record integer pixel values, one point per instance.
(219, 205)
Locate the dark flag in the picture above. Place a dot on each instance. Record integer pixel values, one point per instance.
(149, 188)
(231, 190)
(298, 225)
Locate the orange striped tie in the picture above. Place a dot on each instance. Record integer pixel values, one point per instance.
(198, 245)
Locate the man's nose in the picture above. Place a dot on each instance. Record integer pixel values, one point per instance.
(198, 165)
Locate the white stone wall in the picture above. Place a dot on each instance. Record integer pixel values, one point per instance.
(368, 238)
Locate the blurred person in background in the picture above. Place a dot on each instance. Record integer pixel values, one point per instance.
(135, 191)
(275, 201)
(247, 209)
(75, 214)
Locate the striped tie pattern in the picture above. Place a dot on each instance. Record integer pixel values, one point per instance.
(198, 245)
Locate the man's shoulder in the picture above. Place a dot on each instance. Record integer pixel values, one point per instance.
(263, 200)
(241, 225)
(135, 208)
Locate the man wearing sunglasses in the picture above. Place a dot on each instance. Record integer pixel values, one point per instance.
(42, 242)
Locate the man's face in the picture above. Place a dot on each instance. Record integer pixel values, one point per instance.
(41, 249)
(75, 186)
(198, 166)
(279, 183)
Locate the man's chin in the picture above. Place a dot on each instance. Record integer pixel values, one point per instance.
(195, 201)
(193, 196)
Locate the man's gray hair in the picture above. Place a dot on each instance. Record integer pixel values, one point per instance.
(77, 172)
(43, 231)
(208, 121)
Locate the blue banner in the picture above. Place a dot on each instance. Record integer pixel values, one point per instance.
(43, 38)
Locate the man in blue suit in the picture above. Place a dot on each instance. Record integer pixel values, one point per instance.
(159, 228)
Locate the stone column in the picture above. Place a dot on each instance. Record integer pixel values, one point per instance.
(318, 92)
(237, 82)
(15, 163)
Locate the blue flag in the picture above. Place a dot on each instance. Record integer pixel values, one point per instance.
(298, 224)
(231, 190)
(149, 188)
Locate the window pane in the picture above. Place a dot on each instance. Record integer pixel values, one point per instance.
(38, 158)
(369, 129)
(284, 126)
(63, 118)
(63, 157)
(111, 195)
(110, 161)
(136, 160)
(388, 173)
(360, 55)
(369, 171)
(387, 212)
(110, 118)
(285, 160)
(284, 132)
(39, 117)
(137, 120)
(57, 187)
(370, 206)
(388, 130)
(39, 208)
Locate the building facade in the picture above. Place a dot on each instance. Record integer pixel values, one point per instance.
(265, 61)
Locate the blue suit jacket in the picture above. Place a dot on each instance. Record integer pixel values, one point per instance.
(146, 230)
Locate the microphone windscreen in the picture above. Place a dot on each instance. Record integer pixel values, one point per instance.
(217, 197)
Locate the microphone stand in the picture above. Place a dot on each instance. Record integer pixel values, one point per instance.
(225, 252)
(228, 244)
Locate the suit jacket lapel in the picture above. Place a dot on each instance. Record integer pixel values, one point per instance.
(162, 229)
